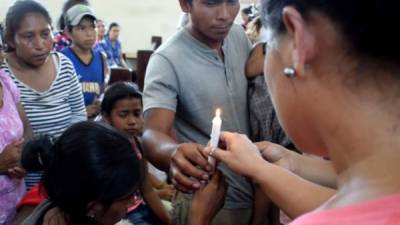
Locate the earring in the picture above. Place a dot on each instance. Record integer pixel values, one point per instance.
(91, 217)
(289, 72)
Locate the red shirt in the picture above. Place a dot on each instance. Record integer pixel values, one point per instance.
(383, 211)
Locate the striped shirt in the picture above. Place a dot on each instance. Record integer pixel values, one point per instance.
(52, 111)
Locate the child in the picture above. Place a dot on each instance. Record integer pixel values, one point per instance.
(91, 175)
(90, 64)
(122, 109)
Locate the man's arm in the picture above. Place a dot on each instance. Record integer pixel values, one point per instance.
(186, 162)
(158, 145)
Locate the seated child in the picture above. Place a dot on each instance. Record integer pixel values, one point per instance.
(90, 175)
(122, 108)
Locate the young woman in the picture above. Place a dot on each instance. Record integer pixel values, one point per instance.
(112, 47)
(50, 91)
(332, 68)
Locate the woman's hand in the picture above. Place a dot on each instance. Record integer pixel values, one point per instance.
(11, 156)
(278, 155)
(241, 155)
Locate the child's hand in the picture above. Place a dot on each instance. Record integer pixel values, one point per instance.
(208, 200)
(167, 192)
(92, 110)
(11, 155)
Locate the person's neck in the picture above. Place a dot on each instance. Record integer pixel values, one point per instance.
(213, 44)
(364, 148)
(81, 51)
(20, 65)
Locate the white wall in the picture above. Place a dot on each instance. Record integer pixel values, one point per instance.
(139, 19)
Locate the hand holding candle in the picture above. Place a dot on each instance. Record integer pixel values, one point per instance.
(215, 132)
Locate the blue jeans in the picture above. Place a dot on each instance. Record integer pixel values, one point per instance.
(143, 215)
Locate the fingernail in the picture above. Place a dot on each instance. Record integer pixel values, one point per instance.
(207, 149)
(196, 185)
(205, 177)
(208, 168)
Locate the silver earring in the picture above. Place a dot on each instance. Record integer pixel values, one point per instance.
(289, 72)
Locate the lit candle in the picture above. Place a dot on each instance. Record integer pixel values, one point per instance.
(215, 132)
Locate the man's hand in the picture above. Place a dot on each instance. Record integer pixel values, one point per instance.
(189, 167)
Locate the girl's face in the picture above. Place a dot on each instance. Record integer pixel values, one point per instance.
(101, 29)
(33, 41)
(116, 211)
(127, 116)
(114, 33)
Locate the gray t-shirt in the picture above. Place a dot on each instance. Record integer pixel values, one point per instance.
(189, 78)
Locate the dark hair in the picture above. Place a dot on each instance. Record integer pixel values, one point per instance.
(16, 13)
(88, 162)
(118, 91)
(366, 25)
(113, 24)
(67, 5)
(1, 37)
(247, 10)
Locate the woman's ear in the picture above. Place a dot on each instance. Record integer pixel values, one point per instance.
(185, 5)
(106, 118)
(302, 39)
(10, 41)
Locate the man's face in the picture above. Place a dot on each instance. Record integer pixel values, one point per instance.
(211, 20)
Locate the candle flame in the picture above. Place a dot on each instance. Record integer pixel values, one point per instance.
(218, 113)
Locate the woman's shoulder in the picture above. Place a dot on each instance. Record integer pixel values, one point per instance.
(37, 216)
(6, 79)
(65, 65)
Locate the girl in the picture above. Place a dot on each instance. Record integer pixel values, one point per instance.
(112, 47)
(50, 91)
(122, 108)
(90, 176)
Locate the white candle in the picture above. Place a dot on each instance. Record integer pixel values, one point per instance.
(215, 133)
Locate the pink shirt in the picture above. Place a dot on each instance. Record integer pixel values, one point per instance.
(11, 129)
(383, 211)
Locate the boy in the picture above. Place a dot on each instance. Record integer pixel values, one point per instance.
(90, 64)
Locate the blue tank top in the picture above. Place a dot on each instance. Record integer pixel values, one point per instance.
(91, 76)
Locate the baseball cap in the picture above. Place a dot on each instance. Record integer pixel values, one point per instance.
(75, 14)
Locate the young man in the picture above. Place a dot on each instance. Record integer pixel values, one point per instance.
(90, 64)
(199, 69)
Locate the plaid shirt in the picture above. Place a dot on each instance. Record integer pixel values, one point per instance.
(264, 124)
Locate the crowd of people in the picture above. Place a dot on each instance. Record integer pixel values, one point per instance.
(308, 93)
